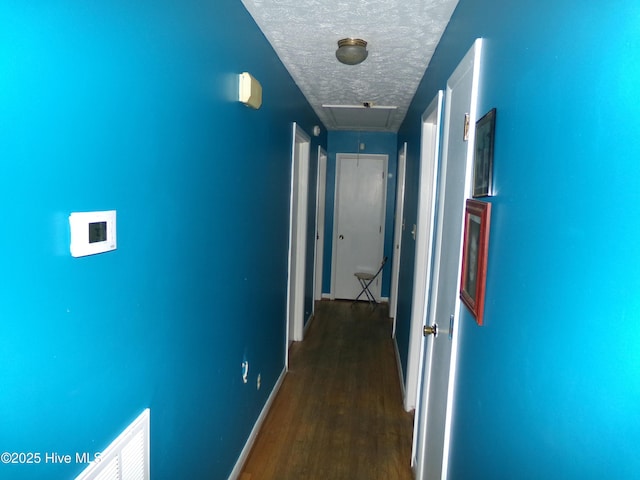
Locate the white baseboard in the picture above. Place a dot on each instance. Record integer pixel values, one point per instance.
(400, 373)
(237, 469)
(308, 324)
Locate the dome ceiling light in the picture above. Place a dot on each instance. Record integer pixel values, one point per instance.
(351, 51)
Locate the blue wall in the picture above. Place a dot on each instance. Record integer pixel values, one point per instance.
(549, 387)
(383, 143)
(131, 106)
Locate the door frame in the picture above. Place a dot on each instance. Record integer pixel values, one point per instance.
(298, 206)
(397, 234)
(318, 255)
(429, 175)
(471, 61)
(336, 209)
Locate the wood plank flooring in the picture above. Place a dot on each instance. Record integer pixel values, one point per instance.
(338, 414)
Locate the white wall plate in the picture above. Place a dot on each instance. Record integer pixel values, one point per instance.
(92, 232)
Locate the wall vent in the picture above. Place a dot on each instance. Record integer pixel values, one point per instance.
(127, 458)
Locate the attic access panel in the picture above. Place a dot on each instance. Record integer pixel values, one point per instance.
(359, 117)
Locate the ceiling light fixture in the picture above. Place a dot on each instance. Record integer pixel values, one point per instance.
(351, 51)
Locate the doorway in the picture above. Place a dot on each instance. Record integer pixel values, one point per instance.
(359, 214)
(433, 420)
(321, 187)
(430, 153)
(397, 235)
(297, 235)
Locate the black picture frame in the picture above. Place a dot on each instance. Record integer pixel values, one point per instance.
(483, 155)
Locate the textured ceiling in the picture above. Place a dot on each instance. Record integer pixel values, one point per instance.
(401, 34)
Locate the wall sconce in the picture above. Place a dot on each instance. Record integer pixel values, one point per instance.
(250, 91)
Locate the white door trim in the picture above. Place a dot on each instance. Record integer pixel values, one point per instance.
(397, 234)
(321, 187)
(429, 155)
(436, 461)
(300, 150)
(473, 115)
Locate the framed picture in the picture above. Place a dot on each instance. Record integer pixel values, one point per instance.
(477, 218)
(483, 156)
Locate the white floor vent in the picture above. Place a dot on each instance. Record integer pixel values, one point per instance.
(127, 458)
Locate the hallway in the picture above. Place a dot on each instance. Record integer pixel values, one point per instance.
(338, 414)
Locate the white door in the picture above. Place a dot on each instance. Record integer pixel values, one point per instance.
(320, 209)
(397, 234)
(358, 231)
(297, 235)
(430, 153)
(436, 397)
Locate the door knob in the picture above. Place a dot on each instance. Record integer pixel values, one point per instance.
(341, 237)
(430, 330)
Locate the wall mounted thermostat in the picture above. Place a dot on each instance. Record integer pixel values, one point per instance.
(92, 232)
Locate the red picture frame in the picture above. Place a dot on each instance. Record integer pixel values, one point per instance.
(477, 218)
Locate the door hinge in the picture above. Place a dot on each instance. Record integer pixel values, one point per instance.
(465, 132)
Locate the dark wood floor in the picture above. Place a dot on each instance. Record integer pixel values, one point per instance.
(339, 412)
